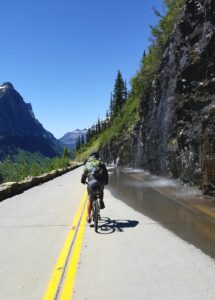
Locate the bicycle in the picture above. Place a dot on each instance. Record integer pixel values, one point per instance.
(96, 198)
(96, 208)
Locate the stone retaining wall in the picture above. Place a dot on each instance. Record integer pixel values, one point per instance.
(9, 189)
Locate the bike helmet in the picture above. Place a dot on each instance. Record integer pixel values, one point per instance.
(95, 154)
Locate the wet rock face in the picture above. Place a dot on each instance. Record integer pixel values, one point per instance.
(176, 136)
(195, 97)
(119, 151)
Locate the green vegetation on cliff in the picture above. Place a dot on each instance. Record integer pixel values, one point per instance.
(122, 119)
(123, 122)
(160, 34)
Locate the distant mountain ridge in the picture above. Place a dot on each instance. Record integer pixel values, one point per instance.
(70, 138)
(20, 129)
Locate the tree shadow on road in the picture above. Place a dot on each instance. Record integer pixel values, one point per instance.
(107, 226)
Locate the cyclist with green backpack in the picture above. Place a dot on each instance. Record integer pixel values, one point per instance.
(97, 176)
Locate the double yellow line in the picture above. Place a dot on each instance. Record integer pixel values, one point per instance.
(62, 280)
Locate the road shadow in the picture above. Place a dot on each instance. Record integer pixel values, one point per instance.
(108, 226)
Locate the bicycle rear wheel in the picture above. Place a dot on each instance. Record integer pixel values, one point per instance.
(95, 214)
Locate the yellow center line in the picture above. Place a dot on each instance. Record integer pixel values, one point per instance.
(67, 289)
(58, 272)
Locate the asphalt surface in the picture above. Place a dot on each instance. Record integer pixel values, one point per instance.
(33, 228)
(135, 256)
(181, 209)
(142, 249)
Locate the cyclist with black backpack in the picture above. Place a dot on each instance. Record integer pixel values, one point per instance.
(97, 176)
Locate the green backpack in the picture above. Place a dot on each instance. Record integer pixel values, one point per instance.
(95, 170)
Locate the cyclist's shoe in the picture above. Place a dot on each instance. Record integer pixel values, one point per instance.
(88, 220)
(102, 205)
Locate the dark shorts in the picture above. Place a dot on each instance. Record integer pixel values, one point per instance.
(94, 186)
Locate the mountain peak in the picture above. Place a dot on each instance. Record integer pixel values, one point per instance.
(70, 138)
(6, 85)
(20, 129)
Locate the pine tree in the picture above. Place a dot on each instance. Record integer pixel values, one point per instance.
(78, 143)
(125, 91)
(72, 154)
(66, 153)
(82, 139)
(89, 135)
(119, 94)
(103, 126)
(99, 126)
(112, 105)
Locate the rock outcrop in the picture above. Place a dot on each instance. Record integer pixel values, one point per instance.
(175, 136)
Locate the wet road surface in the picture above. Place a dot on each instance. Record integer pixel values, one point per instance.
(152, 197)
(138, 253)
(143, 246)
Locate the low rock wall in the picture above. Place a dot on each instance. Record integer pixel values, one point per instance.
(9, 189)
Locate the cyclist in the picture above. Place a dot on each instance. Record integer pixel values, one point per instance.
(96, 173)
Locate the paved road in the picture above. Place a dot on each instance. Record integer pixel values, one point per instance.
(133, 256)
(33, 228)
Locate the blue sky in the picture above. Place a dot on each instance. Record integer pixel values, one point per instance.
(62, 56)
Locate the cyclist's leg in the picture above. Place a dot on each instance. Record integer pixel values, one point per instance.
(89, 204)
(102, 205)
(89, 209)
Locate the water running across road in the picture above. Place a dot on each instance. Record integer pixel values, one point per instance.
(154, 197)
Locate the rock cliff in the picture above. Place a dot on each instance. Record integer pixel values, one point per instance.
(175, 135)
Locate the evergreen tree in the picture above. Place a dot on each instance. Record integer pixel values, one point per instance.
(66, 153)
(82, 139)
(78, 143)
(119, 94)
(112, 105)
(94, 131)
(89, 135)
(99, 126)
(125, 91)
(103, 125)
(72, 154)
